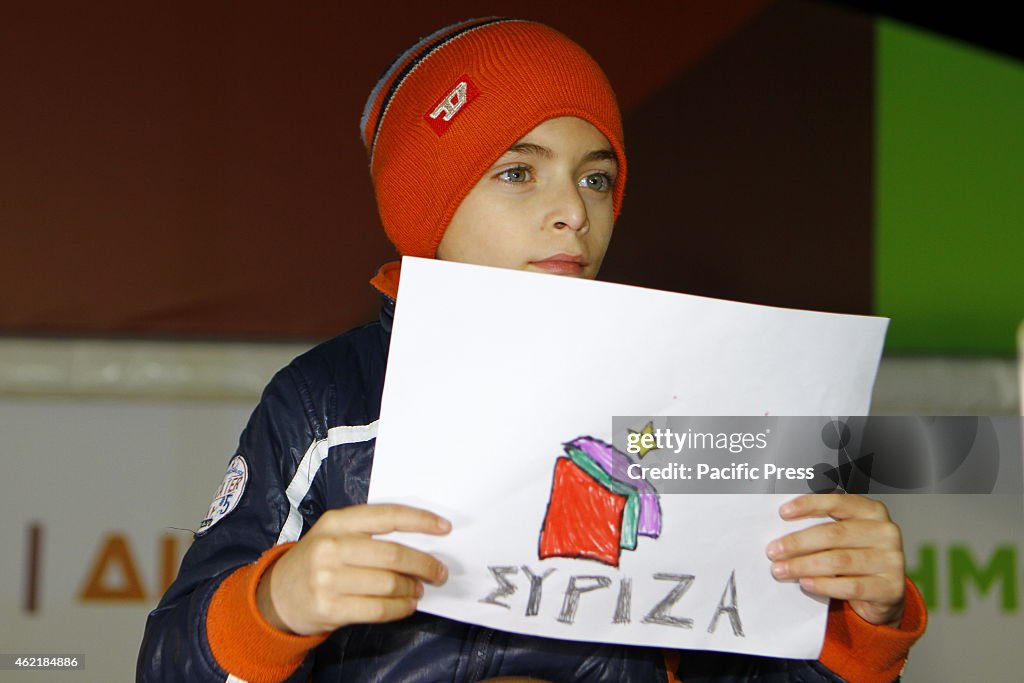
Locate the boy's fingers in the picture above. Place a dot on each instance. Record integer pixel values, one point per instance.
(853, 533)
(383, 519)
(360, 581)
(858, 562)
(363, 610)
(855, 588)
(835, 505)
(359, 551)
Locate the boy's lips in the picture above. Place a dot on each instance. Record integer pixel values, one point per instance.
(562, 264)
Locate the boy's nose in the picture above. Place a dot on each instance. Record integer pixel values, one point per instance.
(569, 212)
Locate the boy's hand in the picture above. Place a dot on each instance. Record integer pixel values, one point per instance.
(858, 557)
(338, 574)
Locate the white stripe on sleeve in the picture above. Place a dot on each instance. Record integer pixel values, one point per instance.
(310, 465)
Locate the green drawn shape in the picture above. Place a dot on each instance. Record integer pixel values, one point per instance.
(631, 513)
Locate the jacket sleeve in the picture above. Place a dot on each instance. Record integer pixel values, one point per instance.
(860, 651)
(253, 515)
(854, 651)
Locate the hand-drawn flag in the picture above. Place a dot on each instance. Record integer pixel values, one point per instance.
(595, 509)
(616, 463)
(630, 513)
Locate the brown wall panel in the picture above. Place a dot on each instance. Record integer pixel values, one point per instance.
(195, 168)
(751, 173)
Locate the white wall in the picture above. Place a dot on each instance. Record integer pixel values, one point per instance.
(100, 438)
(132, 438)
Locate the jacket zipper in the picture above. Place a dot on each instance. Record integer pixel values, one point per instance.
(480, 654)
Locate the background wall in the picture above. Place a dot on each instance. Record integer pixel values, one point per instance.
(185, 206)
(196, 170)
(949, 229)
(114, 449)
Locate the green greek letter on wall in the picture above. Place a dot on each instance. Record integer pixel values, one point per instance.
(925, 575)
(1001, 567)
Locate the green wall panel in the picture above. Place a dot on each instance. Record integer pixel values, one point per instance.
(949, 222)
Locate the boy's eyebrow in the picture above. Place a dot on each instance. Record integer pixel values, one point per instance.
(602, 155)
(530, 148)
(541, 151)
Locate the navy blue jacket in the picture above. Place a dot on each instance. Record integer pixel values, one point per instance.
(309, 447)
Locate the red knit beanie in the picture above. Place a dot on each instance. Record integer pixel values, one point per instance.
(453, 103)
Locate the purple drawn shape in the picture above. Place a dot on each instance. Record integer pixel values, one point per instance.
(616, 464)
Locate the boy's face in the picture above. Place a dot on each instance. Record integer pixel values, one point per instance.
(544, 206)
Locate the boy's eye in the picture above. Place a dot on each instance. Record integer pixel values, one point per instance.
(516, 174)
(601, 182)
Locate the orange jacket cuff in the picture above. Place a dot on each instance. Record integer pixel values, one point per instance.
(863, 652)
(242, 641)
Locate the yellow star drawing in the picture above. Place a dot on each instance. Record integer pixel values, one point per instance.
(648, 429)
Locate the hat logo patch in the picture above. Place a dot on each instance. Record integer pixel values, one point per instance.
(444, 111)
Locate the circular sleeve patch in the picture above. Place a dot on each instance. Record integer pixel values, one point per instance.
(228, 493)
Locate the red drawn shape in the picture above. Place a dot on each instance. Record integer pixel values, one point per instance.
(583, 520)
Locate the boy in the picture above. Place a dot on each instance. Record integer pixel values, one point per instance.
(496, 142)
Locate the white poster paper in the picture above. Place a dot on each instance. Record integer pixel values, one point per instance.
(492, 375)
